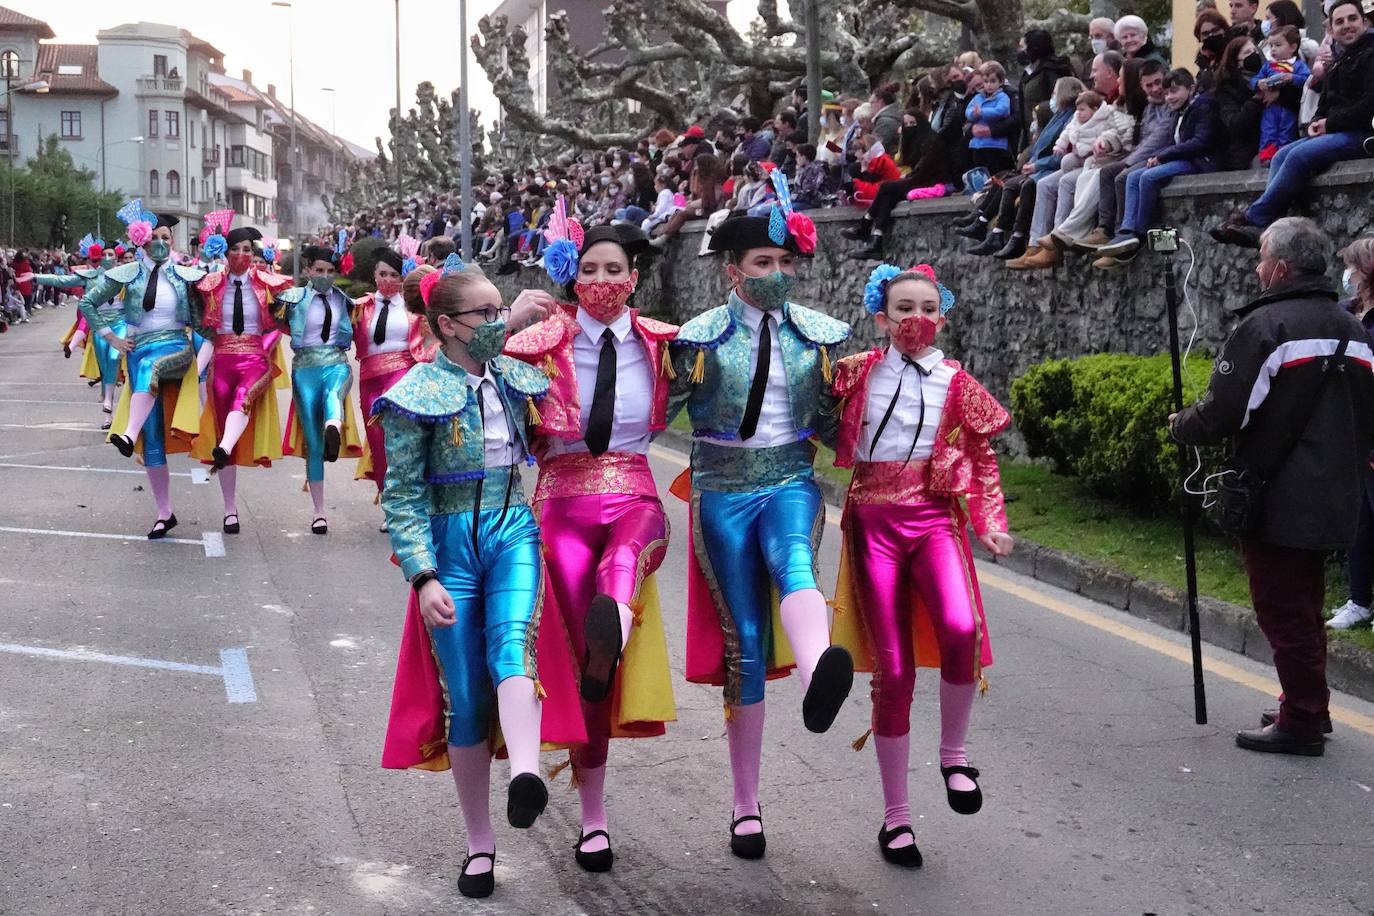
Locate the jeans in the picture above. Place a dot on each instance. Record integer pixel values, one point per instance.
(1293, 167)
(1111, 201)
(1142, 193)
(632, 214)
(1360, 558)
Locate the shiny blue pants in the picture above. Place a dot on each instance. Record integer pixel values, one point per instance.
(496, 594)
(757, 541)
(106, 356)
(161, 360)
(319, 392)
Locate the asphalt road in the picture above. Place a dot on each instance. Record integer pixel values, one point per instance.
(144, 790)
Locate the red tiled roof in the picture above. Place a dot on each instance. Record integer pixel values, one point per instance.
(10, 19)
(236, 94)
(53, 57)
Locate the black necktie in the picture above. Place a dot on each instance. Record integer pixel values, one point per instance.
(238, 306)
(379, 333)
(922, 372)
(754, 406)
(599, 423)
(328, 319)
(150, 294)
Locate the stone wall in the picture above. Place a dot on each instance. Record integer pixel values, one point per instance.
(1008, 320)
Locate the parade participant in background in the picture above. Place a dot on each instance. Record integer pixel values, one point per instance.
(159, 411)
(915, 427)
(390, 339)
(239, 424)
(457, 431)
(603, 527)
(319, 425)
(751, 373)
(101, 361)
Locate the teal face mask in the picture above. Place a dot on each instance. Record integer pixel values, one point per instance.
(159, 250)
(108, 261)
(488, 339)
(770, 291)
(321, 284)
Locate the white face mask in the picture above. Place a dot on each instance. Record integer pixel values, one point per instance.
(1099, 45)
(1348, 283)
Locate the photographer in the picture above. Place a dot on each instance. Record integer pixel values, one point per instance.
(1299, 422)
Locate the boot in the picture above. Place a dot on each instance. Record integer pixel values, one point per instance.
(871, 252)
(994, 242)
(1044, 259)
(859, 233)
(1015, 248)
(1093, 240)
(977, 231)
(1020, 263)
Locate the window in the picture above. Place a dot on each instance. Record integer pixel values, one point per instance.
(152, 122)
(173, 124)
(71, 125)
(202, 136)
(159, 65)
(68, 69)
(236, 155)
(153, 184)
(259, 163)
(9, 64)
(192, 196)
(173, 183)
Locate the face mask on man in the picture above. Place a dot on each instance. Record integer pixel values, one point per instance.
(958, 87)
(1099, 45)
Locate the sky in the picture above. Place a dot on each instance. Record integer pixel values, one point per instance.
(346, 46)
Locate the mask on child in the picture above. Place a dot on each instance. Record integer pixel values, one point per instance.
(321, 283)
(488, 339)
(915, 333)
(240, 262)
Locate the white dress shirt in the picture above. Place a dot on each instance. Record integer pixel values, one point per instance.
(397, 325)
(498, 439)
(250, 306)
(917, 388)
(776, 426)
(314, 318)
(634, 384)
(163, 317)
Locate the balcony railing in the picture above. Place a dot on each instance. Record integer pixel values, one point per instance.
(167, 84)
(210, 158)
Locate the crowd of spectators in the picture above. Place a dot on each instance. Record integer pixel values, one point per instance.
(19, 295)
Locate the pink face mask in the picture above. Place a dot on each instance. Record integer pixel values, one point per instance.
(239, 262)
(915, 333)
(388, 287)
(604, 301)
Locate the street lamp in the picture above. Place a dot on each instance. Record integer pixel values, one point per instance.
(103, 147)
(464, 134)
(396, 148)
(295, 154)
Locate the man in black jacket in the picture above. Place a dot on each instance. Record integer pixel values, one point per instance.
(1338, 133)
(1302, 422)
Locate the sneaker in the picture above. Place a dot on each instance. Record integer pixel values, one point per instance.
(1348, 615)
(1123, 244)
(1093, 240)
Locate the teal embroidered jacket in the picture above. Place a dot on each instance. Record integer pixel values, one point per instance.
(711, 358)
(434, 445)
(293, 305)
(132, 279)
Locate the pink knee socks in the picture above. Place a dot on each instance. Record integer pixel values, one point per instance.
(140, 405)
(956, 707)
(591, 792)
(893, 755)
(744, 732)
(317, 497)
(234, 425)
(517, 706)
(472, 778)
(228, 481)
(159, 481)
(807, 625)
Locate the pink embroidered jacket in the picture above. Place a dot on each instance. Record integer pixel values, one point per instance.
(215, 286)
(420, 344)
(963, 464)
(549, 345)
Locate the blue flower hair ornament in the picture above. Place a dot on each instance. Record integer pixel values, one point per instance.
(269, 254)
(560, 261)
(408, 265)
(215, 246)
(875, 290)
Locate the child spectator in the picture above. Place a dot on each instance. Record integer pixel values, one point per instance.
(811, 179)
(1284, 69)
(987, 108)
(1091, 119)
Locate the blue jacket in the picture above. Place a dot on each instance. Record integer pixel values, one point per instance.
(989, 110)
(1197, 139)
(294, 304)
(132, 279)
(1042, 154)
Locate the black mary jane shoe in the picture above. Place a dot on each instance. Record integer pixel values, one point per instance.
(748, 845)
(104, 427)
(161, 527)
(221, 458)
(481, 884)
(1271, 716)
(525, 800)
(332, 443)
(601, 631)
(970, 802)
(830, 685)
(1273, 740)
(598, 861)
(231, 527)
(124, 444)
(319, 526)
(905, 856)
(104, 409)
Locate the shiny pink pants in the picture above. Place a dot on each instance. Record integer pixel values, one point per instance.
(599, 544)
(901, 553)
(369, 390)
(236, 380)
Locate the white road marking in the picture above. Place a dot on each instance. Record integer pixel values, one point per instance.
(214, 543)
(99, 534)
(200, 475)
(238, 677)
(48, 401)
(52, 426)
(59, 467)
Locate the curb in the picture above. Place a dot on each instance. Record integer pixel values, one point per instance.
(1349, 668)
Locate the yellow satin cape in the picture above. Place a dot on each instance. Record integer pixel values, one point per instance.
(260, 443)
(294, 441)
(181, 422)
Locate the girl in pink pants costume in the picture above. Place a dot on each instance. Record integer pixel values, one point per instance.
(915, 428)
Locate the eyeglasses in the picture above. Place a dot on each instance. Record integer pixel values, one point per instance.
(490, 313)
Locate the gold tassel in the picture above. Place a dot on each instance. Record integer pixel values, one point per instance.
(553, 773)
(377, 500)
(539, 690)
(827, 372)
(550, 367)
(859, 744)
(429, 750)
(455, 432)
(535, 418)
(305, 487)
(667, 364)
(729, 713)
(698, 374)
(574, 780)
(982, 686)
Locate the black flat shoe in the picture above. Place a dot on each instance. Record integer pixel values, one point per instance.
(1270, 740)
(231, 527)
(124, 444)
(1014, 248)
(220, 456)
(91, 383)
(104, 409)
(830, 684)
(978, 231)
(1271, 717)
(319, 526)
(873, 252)
(479, 885)
(598, 861)
(748, 845)
(990, 245)
(106, 425)
(970, 802)
(601, 630)
(905, 856)
(331, 443)
(161, 527)
(525, 800)
(858, 233)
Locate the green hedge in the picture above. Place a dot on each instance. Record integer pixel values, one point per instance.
(1102, 418)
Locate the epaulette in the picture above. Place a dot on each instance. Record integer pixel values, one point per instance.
(540, 338)
(655, 329)
(818, 328)
(123, 273)
(520, 377)
(851, 370)
(292, 296)
(212, 282)
(426, 394)
(189, 274)
(707, 330)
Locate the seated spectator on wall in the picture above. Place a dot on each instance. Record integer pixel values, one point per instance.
(1279, 85)
(877, 167)
(1238, 109)
(928, 168)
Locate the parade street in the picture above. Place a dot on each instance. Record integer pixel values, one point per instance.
(194, 727)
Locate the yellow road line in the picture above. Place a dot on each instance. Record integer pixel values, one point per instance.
(1237, 675)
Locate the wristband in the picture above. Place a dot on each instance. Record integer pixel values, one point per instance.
(421, 578)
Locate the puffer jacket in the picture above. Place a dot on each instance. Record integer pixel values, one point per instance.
(1076, 141)
(1347, 101)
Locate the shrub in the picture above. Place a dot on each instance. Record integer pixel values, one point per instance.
(1102, 418)
(365, 251)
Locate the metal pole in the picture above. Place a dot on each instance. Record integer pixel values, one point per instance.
(464, 135)
(295, 153)
(9, 142)
(396, 149)
(813, 70)
(1189, 510)
(102, 170)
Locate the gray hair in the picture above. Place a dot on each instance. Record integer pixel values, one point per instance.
(1299, 243)
(1131, 22)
